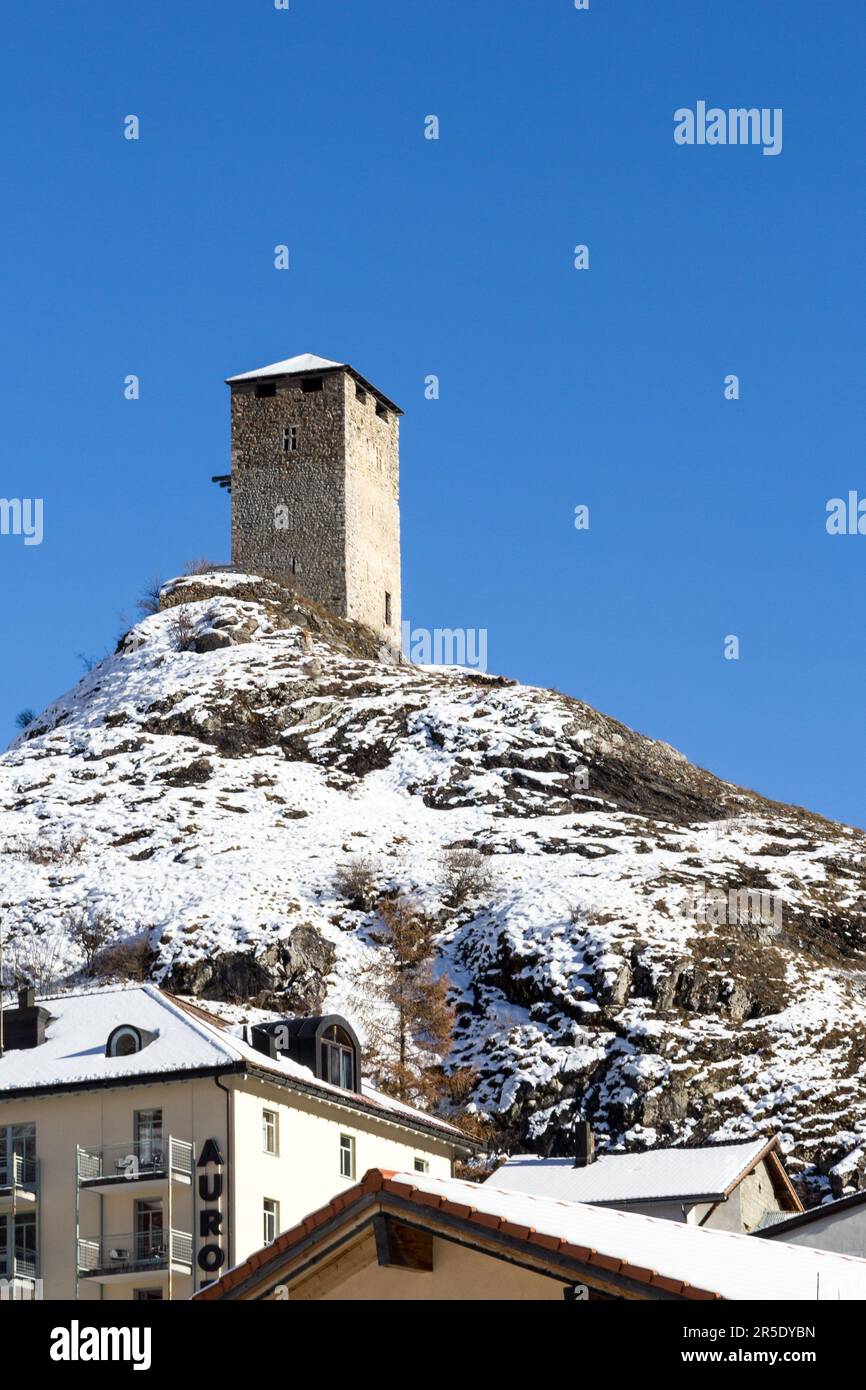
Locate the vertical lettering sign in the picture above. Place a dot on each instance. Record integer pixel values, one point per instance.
(211, 1256)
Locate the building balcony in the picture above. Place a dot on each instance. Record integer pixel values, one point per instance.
(145, 1169)
(132, 1258)
(19, 1184)
(19, 1264)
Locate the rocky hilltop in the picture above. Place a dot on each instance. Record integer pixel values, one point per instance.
(188, 805)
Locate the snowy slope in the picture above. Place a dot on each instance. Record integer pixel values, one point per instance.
(200, 801)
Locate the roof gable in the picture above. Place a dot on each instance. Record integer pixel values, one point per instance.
(658, 1175)
(670, 1258)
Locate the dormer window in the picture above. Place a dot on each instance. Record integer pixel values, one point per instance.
(327, 1046)
(126, 1040)
(123, 1042)
(338, 1058)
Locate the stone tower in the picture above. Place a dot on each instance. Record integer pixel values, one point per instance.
(315, 486)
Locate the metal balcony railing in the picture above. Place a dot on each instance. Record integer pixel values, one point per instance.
(19, 1263)
(138, 1252)
(19, 1171)
(136, 1162)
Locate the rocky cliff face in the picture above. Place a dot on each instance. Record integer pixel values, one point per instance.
(185, 809)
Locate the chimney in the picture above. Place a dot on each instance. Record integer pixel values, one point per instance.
(25, 1026)
(584, 1144)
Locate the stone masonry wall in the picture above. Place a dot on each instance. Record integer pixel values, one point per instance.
(288, 509)
(372, 513)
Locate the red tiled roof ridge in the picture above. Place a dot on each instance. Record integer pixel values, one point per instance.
(383, 1179)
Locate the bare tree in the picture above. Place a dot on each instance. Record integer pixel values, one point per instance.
(410, 1027)
(35, 959)
(148, 603)
(24, 718)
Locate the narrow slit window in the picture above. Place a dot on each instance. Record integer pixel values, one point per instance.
(387, 610)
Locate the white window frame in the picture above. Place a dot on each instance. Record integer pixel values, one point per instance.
(271, 1132)
(347, 1156)
(270, 1219)
(422, 1165)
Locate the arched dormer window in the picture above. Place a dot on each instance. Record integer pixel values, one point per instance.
(126, 1040)
(338, 1057)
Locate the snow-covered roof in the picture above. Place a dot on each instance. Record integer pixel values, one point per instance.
(674, 1256)
(305, 363)
(187, 1039)
(292, 366)
(76, 1034)
(660, 1175)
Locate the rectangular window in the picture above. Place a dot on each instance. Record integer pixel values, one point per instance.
(269, 1131)
(387, 609)
(421, 1165)
(149, 1236)
(381, 411)
(360, 393)
(312, 383)
(291, 434)
(270, 1220)
(265, 388)
(148, 1140)
(347, 1156)
(339, 1065)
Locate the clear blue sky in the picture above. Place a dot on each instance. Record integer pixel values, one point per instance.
(412, 257)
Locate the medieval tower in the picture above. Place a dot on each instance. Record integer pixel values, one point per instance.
(315, 486)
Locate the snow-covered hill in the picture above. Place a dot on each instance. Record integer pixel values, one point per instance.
(197, 805)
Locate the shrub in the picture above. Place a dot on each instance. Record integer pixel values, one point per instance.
(55, 851)
(467, 875)
(125, 960)
(181, 630)
(90, 931)
(357, 880)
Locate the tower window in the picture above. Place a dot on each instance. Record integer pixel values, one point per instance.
(360, 393)
(312, 383)
(387, 609)
(294, 564)
(291, 434)
(265, 388)
(381, 411)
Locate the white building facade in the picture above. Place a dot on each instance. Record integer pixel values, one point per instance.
(146, 1147)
